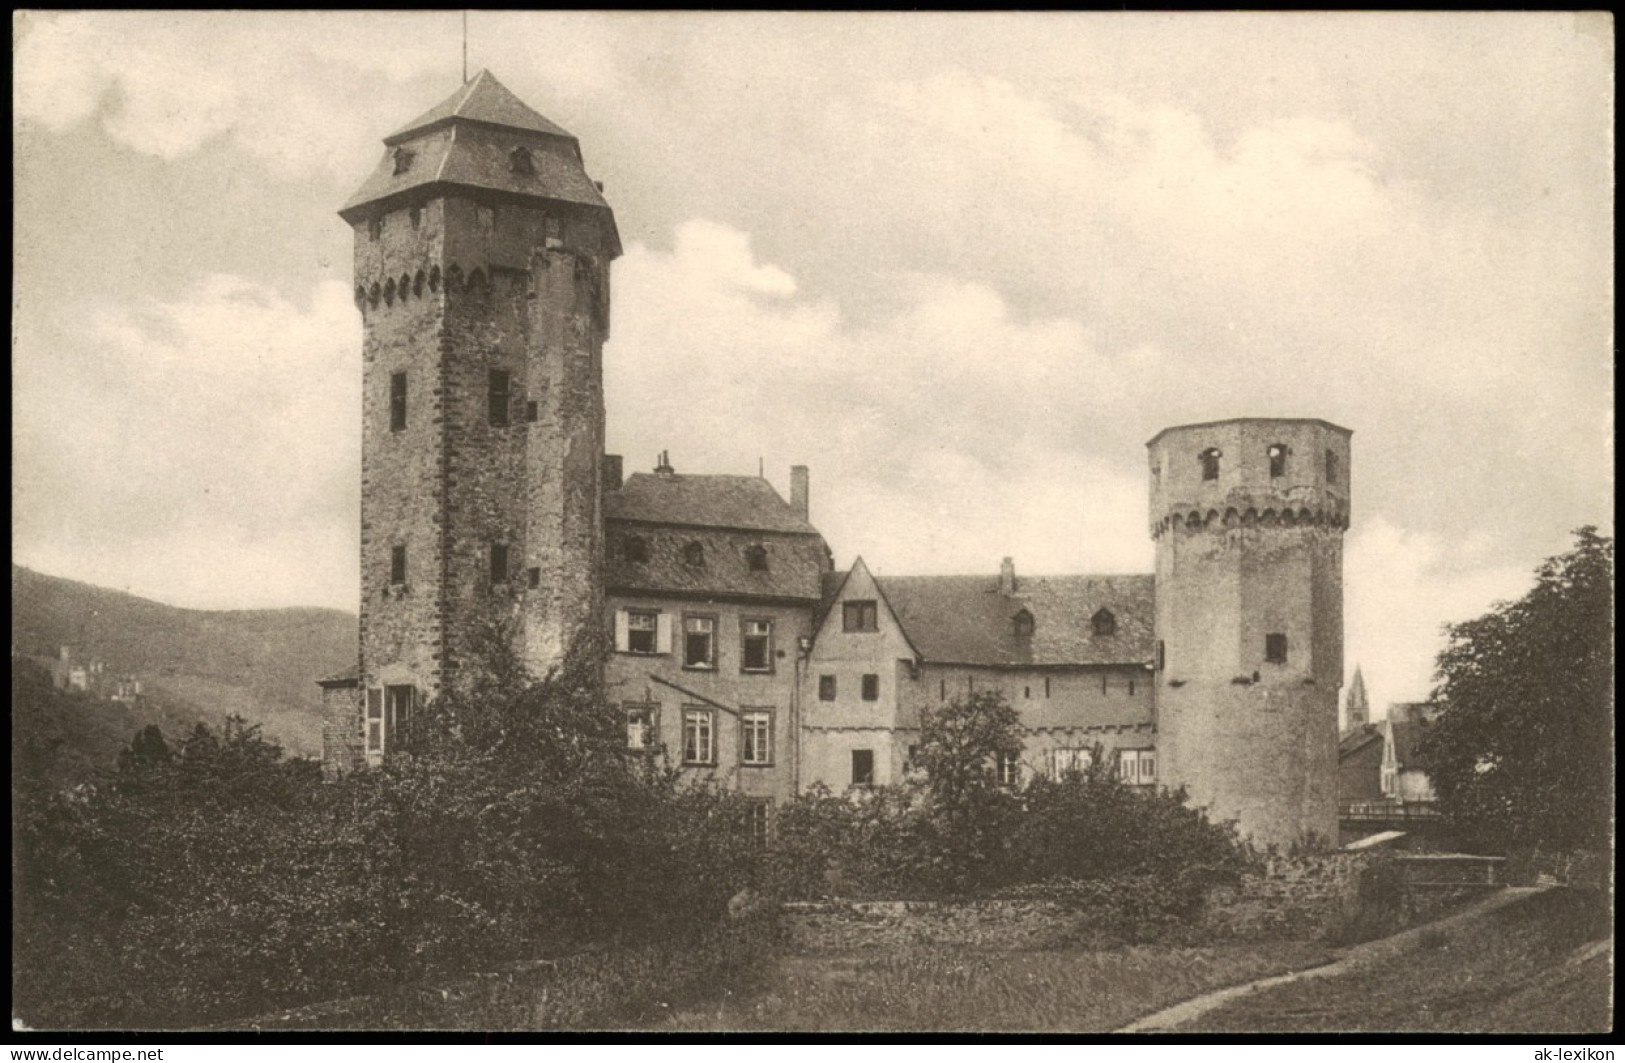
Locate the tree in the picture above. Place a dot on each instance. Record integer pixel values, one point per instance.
(961, 745)
(1522, 753)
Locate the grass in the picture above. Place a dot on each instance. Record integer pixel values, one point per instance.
(915, 989)
(596, 989)
(1524, 968)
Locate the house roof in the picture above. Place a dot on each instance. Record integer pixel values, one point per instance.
(741, 502)
(349, 677)
(467, 142)
(483, 99)
(794, 564)
(1357, 739)
(966, 620)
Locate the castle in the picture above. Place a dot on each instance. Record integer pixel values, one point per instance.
(482, 254)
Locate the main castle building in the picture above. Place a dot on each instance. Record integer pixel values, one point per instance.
(482, 276)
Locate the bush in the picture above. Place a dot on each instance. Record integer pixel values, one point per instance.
(219, 878)
(1142, 858)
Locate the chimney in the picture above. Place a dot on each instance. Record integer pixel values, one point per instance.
(664, 468)
(612, 472)
(1007, 576)
(799, 497)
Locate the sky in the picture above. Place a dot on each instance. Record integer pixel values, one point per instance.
(962, 265)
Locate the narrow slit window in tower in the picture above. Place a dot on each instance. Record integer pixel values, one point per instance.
(1331, 466)
(397, 402)
(499, 385)
(499, 563)
(397, 565)
(1277, 454)
(1210, 463)
(1275, 648)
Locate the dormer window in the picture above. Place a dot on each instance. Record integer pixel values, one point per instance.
(521, 163)
(1210, 463)
(756, 558)
(1103, 623)
(403, 160)
(1277, 453)
(694, 555)
(1023, 624)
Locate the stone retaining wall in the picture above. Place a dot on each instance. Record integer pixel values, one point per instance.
(1344, 896)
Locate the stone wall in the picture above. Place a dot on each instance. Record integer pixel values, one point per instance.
(1344, 897)
(1290, 897)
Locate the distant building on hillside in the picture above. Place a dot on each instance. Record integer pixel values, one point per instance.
(80, 676)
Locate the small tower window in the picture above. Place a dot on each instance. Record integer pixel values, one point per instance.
(533, 577)
(498, 385)
(1331, 466)
(375, 227)
(416, 214)
(397, 565)
(1023, 624)
(1210, 463)
(397, 402)
(756, 558)
(403, 160)
(520, 162)
(694, 555)
(1103, 623)
(499, 563)
(635, 549)
(1277, 453)
(1275, 648)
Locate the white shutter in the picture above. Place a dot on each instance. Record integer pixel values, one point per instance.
(663, 633)
(622, 641)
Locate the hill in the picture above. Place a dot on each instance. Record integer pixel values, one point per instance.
(193, 664)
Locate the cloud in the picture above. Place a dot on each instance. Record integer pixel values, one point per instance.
(206, 445)
(938, 436)
(1401, 586)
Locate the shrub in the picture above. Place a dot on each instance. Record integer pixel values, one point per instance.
(217, 877)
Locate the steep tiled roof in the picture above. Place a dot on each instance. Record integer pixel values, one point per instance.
(794, 563)
(468, 142)
(483, 99)
(965, 620)
(1357, 739)
(745, 502)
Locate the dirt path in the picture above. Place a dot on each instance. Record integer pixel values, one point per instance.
(1353, 959)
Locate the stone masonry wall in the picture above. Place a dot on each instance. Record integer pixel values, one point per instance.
(1298, 897)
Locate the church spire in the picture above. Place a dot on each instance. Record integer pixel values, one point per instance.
(1358, 707)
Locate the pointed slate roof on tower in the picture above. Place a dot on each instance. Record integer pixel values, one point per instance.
(483, 99)
(1359, 709)
(468, 141)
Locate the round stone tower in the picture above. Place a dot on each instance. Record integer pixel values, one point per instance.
(1248, 517)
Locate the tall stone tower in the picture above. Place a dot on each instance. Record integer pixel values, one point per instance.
(1359, 706)
(1248, 517)
(482, 253)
